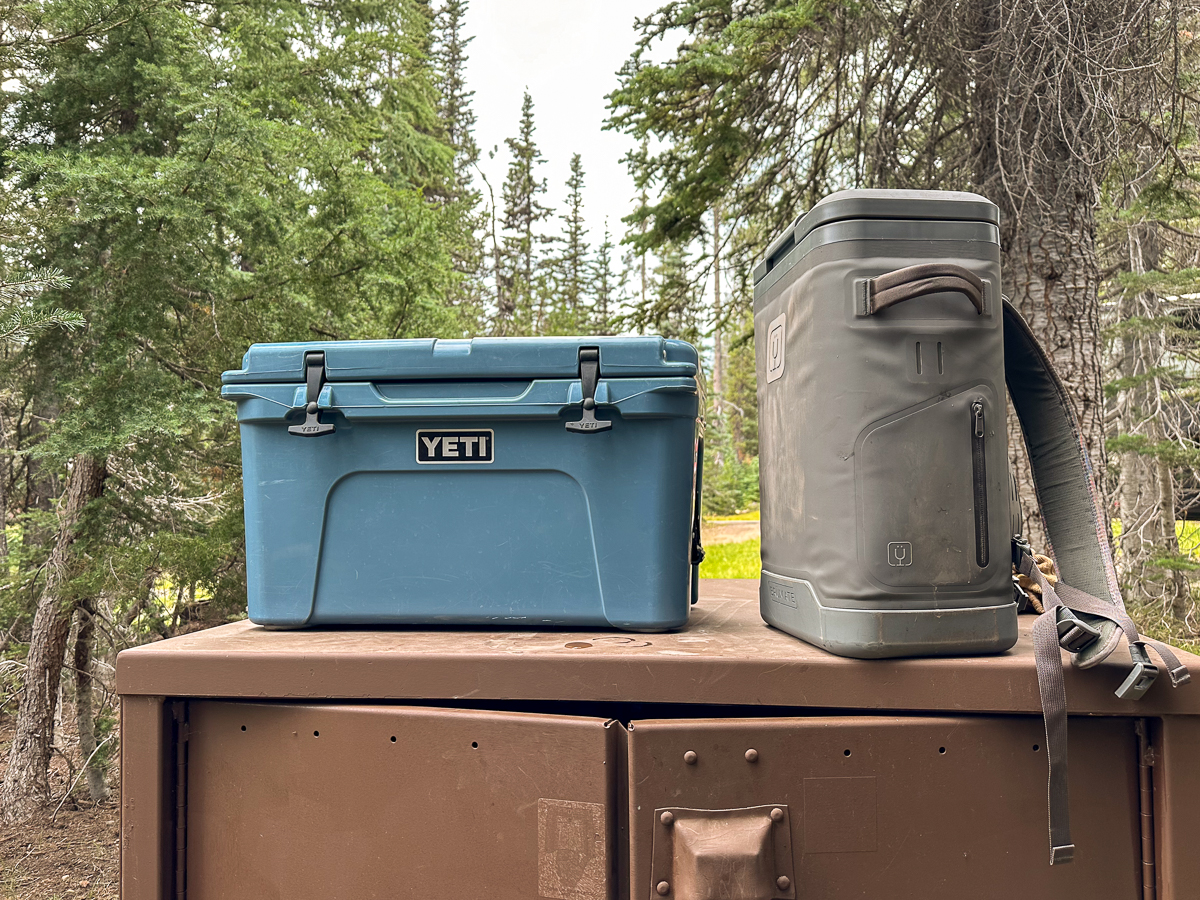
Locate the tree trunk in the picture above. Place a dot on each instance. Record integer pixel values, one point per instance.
(1039, 154)
(1053, 279)
(27, 783)
(718, 377)
(85, 720)
(1147, 484)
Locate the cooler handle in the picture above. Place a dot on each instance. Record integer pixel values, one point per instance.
(918, 281)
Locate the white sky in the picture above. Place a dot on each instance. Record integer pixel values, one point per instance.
(567, 53)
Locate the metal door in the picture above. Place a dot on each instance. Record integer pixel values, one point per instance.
(880, 807)
(323, 801)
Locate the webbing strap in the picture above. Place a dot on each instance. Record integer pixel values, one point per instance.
(1078, 536)
(1053, 691)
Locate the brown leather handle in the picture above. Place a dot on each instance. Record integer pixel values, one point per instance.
(918, 281)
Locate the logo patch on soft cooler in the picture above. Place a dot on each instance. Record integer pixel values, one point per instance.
(900, 553)
(776, 338)
(448, 447)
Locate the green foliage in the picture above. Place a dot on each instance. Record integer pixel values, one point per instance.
(738, 560)
(20, 319)
(524, 285)
(193, 179)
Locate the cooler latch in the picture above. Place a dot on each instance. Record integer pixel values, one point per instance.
(589, 377)
(314, 378)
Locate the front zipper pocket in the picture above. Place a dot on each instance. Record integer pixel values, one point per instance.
(922, 488)
(979, 479)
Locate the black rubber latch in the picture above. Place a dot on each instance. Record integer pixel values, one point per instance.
(589, 377)
(314, 377)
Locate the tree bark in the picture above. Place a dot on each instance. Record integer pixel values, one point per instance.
(1146, 488)
(85, 719)
(718, 377)
(1053, 279)
(26, 787)
(1040, 150)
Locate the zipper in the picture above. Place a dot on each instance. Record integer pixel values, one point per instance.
(979, 478)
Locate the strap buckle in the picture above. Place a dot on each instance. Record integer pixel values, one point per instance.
(1141, 676)
(1074, 634)
(1020, 547)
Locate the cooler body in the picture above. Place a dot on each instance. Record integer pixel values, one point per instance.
(884, 457)
(449, 488)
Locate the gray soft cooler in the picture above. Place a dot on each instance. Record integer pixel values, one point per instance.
(884, 459)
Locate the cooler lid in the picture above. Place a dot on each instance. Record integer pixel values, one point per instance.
(945, 206)
(428, 359)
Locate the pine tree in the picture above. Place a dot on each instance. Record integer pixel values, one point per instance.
(210, 176)
(570, 302)
(605, 285)
(524, 307)
(454, 106)
(458, 123)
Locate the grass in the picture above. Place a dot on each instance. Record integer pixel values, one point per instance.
(750, 515)
(740, 560)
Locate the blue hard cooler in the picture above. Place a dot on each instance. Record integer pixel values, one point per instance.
(521, 482)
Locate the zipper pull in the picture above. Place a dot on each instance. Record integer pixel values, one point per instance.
(977, 413)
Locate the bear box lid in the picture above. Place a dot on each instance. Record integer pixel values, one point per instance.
(945, 206)
(429, 359)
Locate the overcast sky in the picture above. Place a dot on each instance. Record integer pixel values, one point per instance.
(567, 53)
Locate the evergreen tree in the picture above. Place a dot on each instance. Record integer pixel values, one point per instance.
(605, 285)
(573, 261)
(458, 123)
(766, 107)
(523, 305)
(205, 176)
(454, 106)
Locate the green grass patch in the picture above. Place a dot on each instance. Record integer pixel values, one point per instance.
(750, 515)
(740, 560)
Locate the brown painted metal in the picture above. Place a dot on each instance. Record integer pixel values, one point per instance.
(1175, 743)
(901, 807)
(147, 779)
(726, 655)
(723, 854)
(272, 811)
(381, 802)
(1146, 808)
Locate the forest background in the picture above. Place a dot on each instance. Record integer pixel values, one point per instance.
(179, 180)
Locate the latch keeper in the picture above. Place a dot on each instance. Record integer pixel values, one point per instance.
(589, 377)
(314, 377)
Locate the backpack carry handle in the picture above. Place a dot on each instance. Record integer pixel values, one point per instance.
(920, 280)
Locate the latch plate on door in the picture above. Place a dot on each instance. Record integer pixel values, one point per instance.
(731, 854)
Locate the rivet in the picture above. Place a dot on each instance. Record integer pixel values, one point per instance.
(690, 758)
(663, 888)
(777, 815)
(783, 882)
(667, 818)
(751, 755)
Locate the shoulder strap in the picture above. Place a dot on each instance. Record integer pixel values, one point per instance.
(1062, 472)
(1086, 614)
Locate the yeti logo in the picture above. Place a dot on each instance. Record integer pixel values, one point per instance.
(900, 553)
(448, 447)
(776, 332)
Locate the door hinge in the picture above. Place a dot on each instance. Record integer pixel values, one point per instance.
(179, 715)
